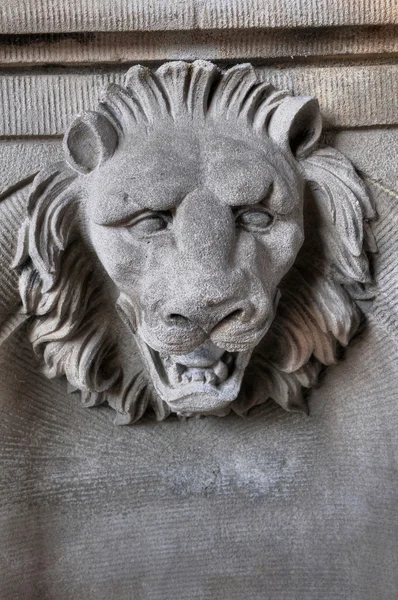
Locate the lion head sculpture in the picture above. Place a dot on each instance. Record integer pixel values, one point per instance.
(196, 252)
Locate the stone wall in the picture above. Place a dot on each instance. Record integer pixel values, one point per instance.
(275, 505)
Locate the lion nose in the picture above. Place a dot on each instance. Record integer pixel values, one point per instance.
(209, 315)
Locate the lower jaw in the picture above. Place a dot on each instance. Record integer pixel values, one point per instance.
(206, 401)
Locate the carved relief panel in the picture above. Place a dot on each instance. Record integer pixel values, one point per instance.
(198, 219)
(197, 251)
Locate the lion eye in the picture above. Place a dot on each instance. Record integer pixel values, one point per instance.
(254, 219)
(148, 222)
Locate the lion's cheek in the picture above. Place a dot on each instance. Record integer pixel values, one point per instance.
(123, 261)
(280, 249)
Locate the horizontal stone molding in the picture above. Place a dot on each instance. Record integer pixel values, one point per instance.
(265, 45)
(46, 16)
(44, 103)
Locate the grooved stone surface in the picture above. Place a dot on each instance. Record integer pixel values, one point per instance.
(372, 151)
(38, 16)
(20, 159)
(95, 48)
(11, 216)
(44, 103)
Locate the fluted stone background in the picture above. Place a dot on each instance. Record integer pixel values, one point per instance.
(272, 507)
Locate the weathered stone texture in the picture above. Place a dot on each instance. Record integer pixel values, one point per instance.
(276, 506)
(120, 15)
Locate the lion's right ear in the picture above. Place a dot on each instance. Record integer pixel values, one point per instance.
(296, 125)
(89, 142)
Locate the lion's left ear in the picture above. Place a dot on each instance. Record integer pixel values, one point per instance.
(296, 125)
(89, 141)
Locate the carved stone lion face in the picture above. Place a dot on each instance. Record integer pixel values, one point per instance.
(196, 228)
(195, 217)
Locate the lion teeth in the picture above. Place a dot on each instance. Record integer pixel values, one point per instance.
(179, 374)
(228, 358)
(221, 370)
(186, 377)
(174, 372)
(199, 376)
(210, 377)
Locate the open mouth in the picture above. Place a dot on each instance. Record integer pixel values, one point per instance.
(205, 380)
